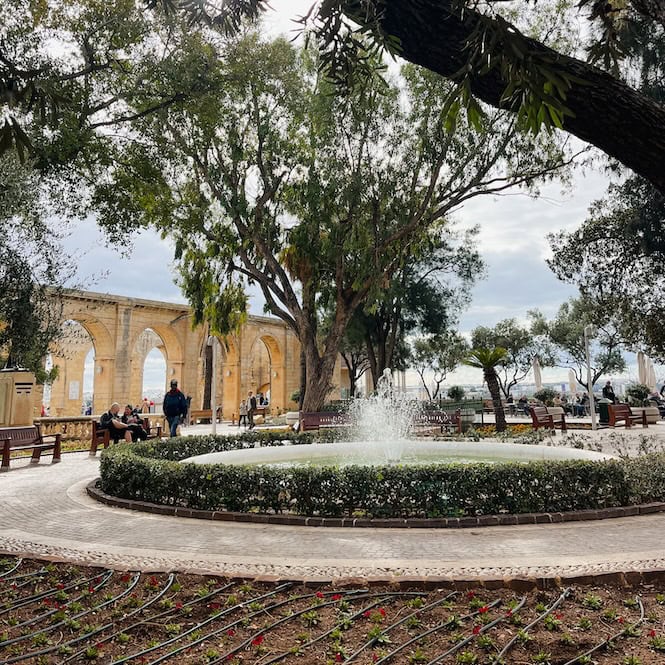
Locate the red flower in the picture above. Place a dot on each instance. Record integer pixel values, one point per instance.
(338, 657)
(621, 620)
(509, 613)
(230, 632)
(125, 578)
(258, 640)
(91, 589)
(470, 595)
(374, 657)
(337, 596)
(382, 612)
(59, 585)
(153, 581)
(484, 609)
(367, 614)
(558, 615)
(476, 630)
(178, 605)
(319, 594)
(214, 606)
(652, 633)
(47, 601)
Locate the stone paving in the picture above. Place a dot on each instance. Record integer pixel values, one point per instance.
(46, 513)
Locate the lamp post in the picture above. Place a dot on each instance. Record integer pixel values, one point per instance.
(213, 380)
(588, 330)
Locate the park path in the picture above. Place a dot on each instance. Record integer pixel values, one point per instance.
(46, 512)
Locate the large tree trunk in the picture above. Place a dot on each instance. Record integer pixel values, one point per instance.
(495, 392)
(207, 380)
(609, 114)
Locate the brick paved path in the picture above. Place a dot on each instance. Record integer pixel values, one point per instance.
(46, 512)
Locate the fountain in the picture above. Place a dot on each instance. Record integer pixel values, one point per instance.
(382, 433)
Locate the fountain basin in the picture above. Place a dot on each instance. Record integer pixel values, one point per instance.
(413, 453)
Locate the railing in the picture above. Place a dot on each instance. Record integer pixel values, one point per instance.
(80, 427)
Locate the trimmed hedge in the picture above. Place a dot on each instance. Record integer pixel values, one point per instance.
(151, 472)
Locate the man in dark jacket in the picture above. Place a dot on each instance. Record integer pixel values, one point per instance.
(112, 421)
(251, 408)
(174, 407)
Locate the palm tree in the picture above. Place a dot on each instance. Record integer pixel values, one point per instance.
(487, 360)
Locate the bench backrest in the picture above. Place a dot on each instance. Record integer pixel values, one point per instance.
(314, 419)
(21, 436)
(538, 413)
(620, 411)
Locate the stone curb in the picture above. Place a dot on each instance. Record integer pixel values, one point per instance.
(408, 523)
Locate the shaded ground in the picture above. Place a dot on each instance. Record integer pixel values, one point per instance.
(58, 613)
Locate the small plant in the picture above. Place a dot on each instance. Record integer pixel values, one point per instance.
(585, 623)
(172, 628)
(486, 643)
(415, 603)
(123, 638)
(610, 613)
(592, 602)
(418, 656)
(523, 636)
(657, 643)
(255, 606)
(377, 636)
(543, 658)
(91, 653)
(637, 394)
(311, 618)
(211, 654)
(630, 602)
(467, 657)
(567, 639)
(631, 660)
(551, 622)
(413, 622)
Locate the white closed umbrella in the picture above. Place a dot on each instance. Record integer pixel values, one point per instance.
(572, 381)
(537, 374)
(642, 368)
(651, 376)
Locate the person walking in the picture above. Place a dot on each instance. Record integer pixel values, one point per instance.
(242, 411)
(251, 408)
(174, 407)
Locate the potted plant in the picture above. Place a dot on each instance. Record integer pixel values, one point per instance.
(546, 396)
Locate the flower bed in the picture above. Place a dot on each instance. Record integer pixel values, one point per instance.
(150, 472)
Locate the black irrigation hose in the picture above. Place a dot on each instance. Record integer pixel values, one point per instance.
(549, 610)
(473, 636)
(21, 602)
(64, 622)
(439, 626)
(13, 586)
(76, 640)
(198, 626)
(139, 609)
(291, 616)
(11, 570)
(604, 643)
(420, 610)
(306, 645)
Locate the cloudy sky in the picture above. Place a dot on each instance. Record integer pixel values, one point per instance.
(512, 241)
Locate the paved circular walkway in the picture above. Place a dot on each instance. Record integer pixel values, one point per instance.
(46, 512)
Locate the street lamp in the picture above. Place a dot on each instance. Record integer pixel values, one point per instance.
(213, 381)
(588, 331)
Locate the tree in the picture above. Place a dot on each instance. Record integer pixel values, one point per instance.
(354, 353)
(30, 264)
(521, 349)
(425, 295)
(437, 355)
(627, 231)
(565, 334)
(488, 360)
(267, 178)
(489, 57)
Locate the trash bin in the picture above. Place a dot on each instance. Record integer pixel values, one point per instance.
(467, 418)
(603, 411)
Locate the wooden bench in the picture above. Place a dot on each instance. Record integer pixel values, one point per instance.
(541, 418)
(27, 438)
(199, 414)
(103, 436)
(321, 419)
(313, 420)
(622, 413)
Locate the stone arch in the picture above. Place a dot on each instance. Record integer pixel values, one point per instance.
(67, 391)
(171, 347)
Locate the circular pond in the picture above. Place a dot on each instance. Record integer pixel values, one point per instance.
(413, 453)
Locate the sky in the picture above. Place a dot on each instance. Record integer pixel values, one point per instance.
(512, 242)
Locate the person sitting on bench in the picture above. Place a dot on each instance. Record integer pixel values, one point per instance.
(112, 421)
(134, 423)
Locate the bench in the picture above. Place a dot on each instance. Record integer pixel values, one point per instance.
(622, 413)
(313, 420)
(27, 438)
(103, 436)
(540, 417)
(195, 415)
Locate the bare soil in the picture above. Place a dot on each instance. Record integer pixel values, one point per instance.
(59, 613)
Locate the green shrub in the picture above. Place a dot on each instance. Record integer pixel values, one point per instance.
(150, 472)
(637, 394)
(546, 396)
(456, 393)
